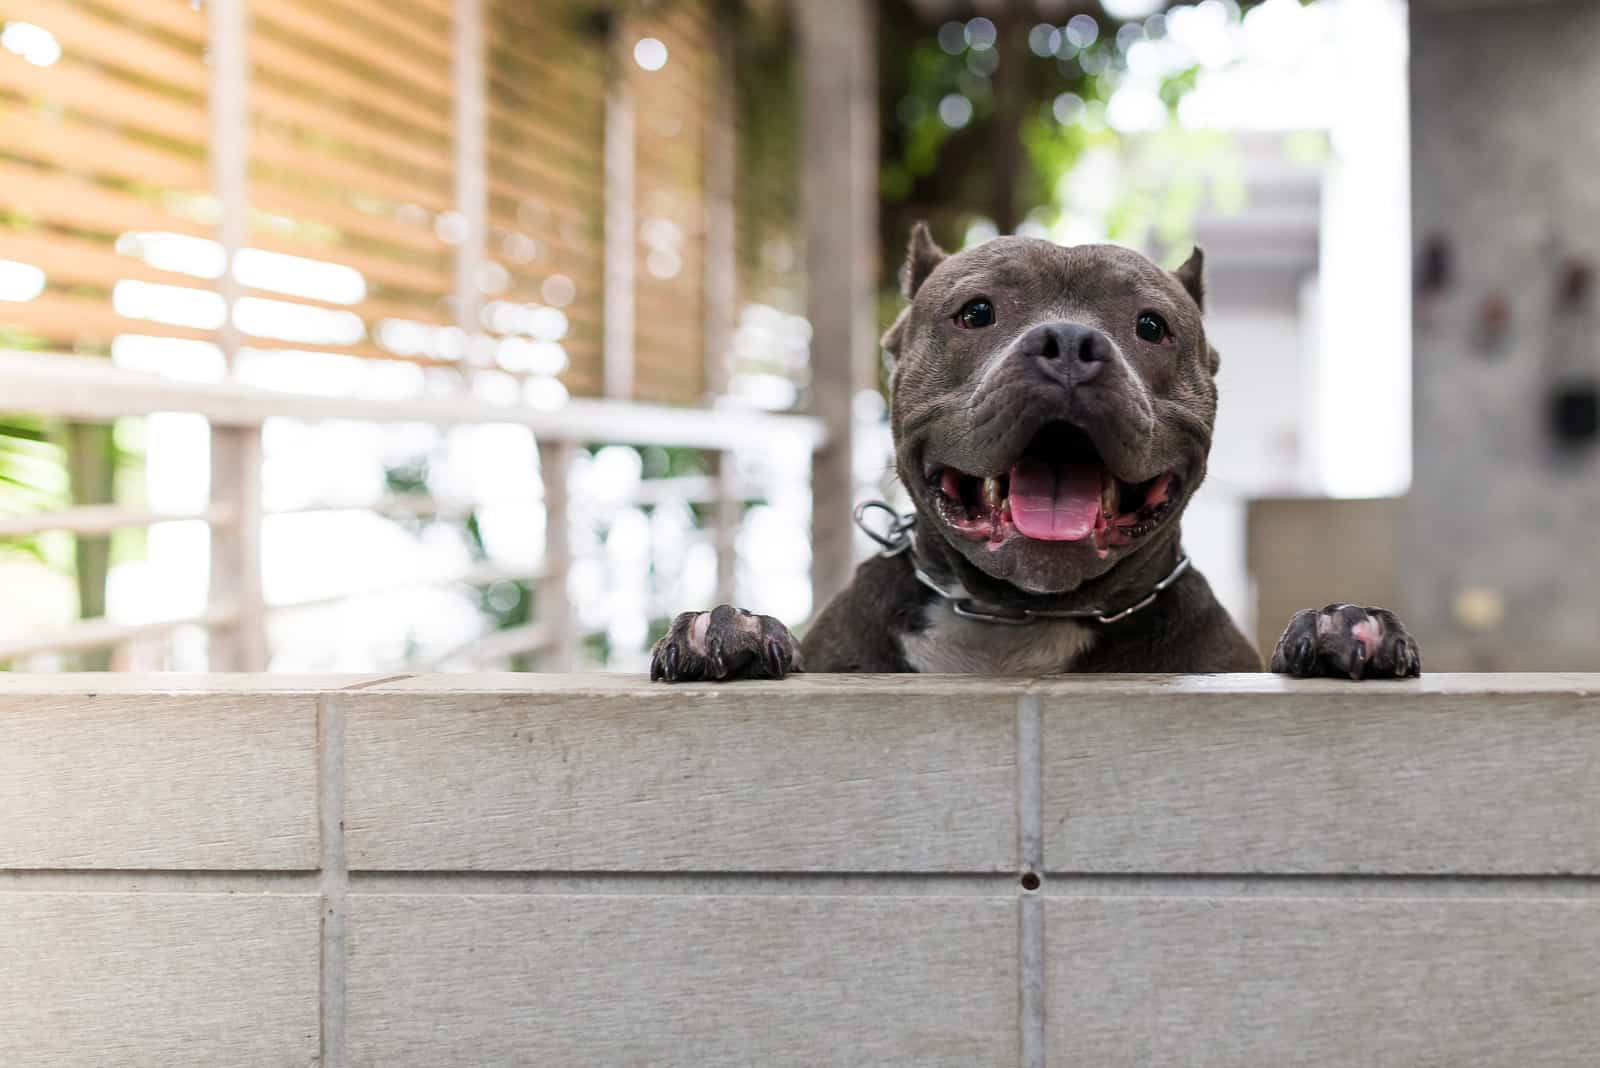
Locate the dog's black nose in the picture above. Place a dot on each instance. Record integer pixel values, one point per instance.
(1080, 351)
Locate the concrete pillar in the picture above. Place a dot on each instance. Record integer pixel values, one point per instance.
(1502, 527)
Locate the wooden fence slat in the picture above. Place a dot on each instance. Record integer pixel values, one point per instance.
(78, 262)
(432, 116)
(331, 26)
(418, 277)
(67, 200)
(67, 319)
(274, 105)
(426, 33)
(181, 18)
(83, 34)
(295, 162)
(86, 149)
(112, 100)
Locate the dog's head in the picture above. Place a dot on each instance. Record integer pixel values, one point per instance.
(1052, 407)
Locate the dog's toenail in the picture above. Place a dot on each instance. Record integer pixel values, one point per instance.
(1357, 662)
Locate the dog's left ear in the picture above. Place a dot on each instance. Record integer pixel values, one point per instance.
(921, 258)
(1192, 275)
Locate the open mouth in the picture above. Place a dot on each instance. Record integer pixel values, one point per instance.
(1059, 489)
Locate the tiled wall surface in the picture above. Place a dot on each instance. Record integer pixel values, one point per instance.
(499, 870)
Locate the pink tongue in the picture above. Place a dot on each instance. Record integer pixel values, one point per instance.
(1055, 503)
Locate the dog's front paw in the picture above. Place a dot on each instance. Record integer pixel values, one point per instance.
(722, 644)
(1348, 640)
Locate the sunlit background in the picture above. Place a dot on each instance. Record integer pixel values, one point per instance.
(557, 208)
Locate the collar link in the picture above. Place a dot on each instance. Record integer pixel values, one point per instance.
(899, 537)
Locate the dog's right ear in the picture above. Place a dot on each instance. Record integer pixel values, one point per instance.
(921, 258)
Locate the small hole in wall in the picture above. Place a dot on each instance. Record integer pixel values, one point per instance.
(1030, 880)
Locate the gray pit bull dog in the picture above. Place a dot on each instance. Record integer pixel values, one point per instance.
(1052, 412)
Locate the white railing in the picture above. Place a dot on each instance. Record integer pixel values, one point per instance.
(94, 390)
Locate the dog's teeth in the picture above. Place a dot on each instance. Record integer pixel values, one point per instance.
(950, 484)
(992, 495)
(1108, 494)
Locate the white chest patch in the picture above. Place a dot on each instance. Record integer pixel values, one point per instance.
(950, 645)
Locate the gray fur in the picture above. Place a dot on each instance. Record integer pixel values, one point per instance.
(976, 400)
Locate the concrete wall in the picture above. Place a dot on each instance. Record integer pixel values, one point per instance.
(564, 870)
(1500, 560)
(1256, 448)
(1305, 552)
(1261, 264)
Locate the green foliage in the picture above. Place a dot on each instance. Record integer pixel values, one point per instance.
(33, 478)
(33, 472)
(596, 647)
(504, 604)
(408, 478)
(1167, 178)
(671, 462)
(46, 465)
(768, 139)
(952, 176)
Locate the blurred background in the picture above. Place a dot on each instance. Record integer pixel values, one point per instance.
(339, 335)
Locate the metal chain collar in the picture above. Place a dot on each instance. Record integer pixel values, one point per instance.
(899, 537)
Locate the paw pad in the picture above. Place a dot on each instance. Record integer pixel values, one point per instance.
(723, 644)
(1347, 640)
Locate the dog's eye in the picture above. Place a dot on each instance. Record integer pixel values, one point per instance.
(1152, 328)
(975, 315)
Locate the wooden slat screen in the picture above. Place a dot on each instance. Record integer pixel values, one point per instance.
(352, 162)
(547, 71)
(107, 189)
(670, 116)
(771, 338)
(103, 136)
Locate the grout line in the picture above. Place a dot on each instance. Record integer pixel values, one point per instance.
(1327, 885)
(840, 884)
(1222, 885)
(153, 881)
(1031, 969)
(1030, 912)
(335, 879)
(1030, 787)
